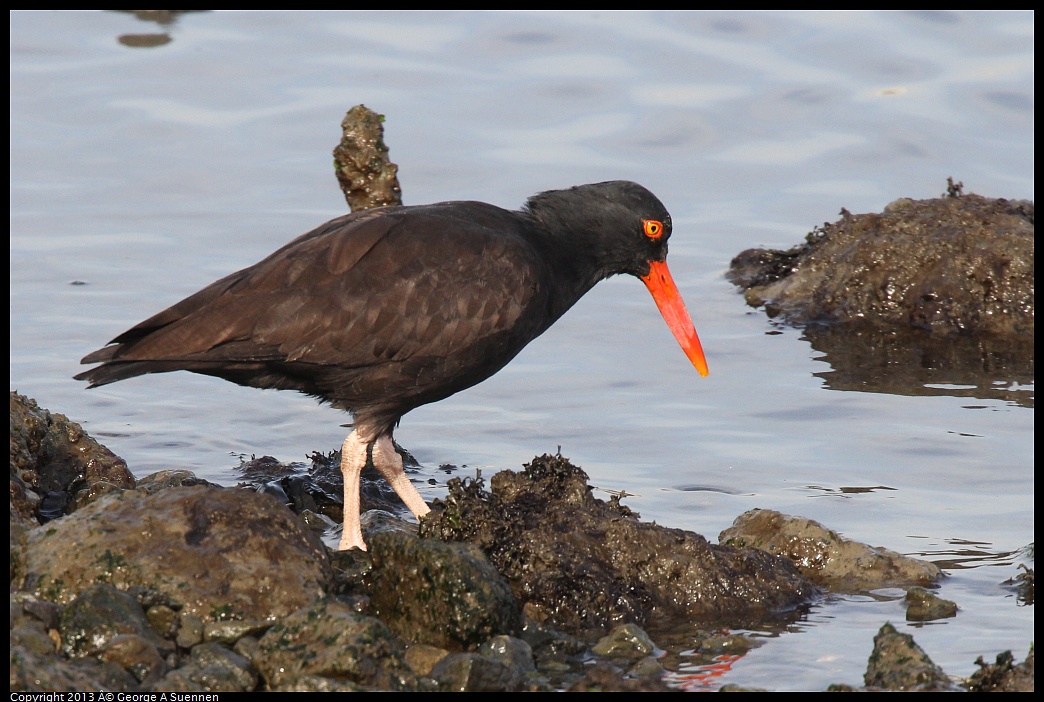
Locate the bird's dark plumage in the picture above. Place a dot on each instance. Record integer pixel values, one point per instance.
(382, 311)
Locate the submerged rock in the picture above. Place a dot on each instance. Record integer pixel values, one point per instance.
(581, 563)
(315, 490)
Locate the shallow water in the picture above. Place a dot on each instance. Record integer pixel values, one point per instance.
(140, 175)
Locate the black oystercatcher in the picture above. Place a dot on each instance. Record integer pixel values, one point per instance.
(385, 310)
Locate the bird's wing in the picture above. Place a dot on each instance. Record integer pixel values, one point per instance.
(358, 291)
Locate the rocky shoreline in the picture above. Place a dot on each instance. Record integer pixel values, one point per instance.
(169, 583)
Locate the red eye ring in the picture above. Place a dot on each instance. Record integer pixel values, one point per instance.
(653, 228)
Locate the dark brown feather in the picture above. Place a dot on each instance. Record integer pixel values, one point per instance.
(356, 312)
(382, 311)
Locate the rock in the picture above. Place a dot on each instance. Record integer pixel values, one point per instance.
(229, 632)
(930, 297)
(422, 658)
(956, 264)
(99, 614)
(924, 606)
(897, 663)
(437, 593)
(824, 556)
(512, 651)
(1023, 584)
(161, 480)
(473, 672)
(366, 175)
(59, 463)
(625, 641)
(35, 672)
(219, 669)
(1004, 675)
(315, 491)
(550, 647)
(579, 563)
(136, 654)
(317, 683)
(603, 678)
(104, 595)
(329, 640)
(190, 630)
(217, 553)
(47, 613)
(33, 637)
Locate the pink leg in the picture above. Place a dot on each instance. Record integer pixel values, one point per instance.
(388, 463)
(353, 460)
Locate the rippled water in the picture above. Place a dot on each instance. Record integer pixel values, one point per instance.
(145, 168)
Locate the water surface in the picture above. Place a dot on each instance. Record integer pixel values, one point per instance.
(141, 173)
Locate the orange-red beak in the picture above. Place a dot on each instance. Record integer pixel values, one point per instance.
(669, 300)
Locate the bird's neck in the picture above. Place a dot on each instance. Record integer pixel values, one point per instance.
(577, 260)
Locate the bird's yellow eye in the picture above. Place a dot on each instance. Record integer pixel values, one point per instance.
(653, 228)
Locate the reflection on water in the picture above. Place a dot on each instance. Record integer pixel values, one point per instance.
(148, 40)
(915, 362)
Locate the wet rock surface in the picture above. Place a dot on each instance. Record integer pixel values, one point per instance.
(822, 555)
(314, 490)
(898, 663)
(955, 264)
(366, 175)
(56, 467)
(343, 646)
(171, 584)
(580, 563)
(214, 553)
(924, 606)
(926, 293)
(438, 593)
(101, 614)
(473, 672)
(1004, 675)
